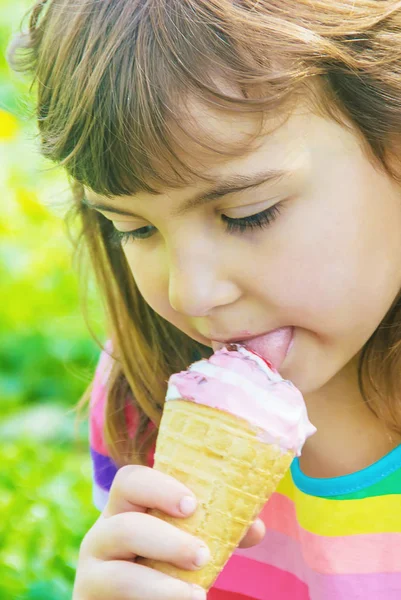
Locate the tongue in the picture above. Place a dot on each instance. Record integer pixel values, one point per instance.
(273, 346)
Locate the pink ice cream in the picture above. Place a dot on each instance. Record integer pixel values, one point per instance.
(241, 382)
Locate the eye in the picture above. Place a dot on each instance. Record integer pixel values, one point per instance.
(260, 220)
(117, 237)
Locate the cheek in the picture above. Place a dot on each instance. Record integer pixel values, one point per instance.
(150, 277)
(327, 271)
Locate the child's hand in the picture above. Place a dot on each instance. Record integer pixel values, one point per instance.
(106, 568)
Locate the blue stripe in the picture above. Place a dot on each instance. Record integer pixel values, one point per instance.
(99, 496)
(346, 484)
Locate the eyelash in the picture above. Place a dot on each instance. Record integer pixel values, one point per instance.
(260, 220)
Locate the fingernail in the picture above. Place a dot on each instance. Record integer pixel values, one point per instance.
(187, 505)
(198, 593)
(202, 556)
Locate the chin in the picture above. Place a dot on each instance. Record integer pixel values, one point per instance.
(312, 375)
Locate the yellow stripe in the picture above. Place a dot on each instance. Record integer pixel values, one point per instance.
(378, 514)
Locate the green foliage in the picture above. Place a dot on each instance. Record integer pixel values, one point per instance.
(14, 95)
(46, 353)
(47, 358)
(45, 503)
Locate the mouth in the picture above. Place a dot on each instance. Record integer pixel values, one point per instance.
(273, 346)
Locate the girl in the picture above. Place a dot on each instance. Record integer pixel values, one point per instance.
(235, 170)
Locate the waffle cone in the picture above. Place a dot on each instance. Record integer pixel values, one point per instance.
(232, 473)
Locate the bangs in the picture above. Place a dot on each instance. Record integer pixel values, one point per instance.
(114, 79)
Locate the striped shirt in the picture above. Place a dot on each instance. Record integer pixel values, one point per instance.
(326, 539)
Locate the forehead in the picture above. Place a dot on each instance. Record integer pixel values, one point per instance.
(217, 142)
(282, 149)
(214, 142)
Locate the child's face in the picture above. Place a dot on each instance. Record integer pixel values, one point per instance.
(329, 264)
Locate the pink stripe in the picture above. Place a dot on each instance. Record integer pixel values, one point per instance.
(363, 553)
(279, 513)
(98, 400)
(98, 407)
(215, 594)
(258, 581)
(279, 551)
(283, 554)
(96, 427)
(360, 553)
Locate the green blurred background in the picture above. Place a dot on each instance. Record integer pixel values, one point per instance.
(47, 358)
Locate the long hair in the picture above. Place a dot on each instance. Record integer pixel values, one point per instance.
(111, 79)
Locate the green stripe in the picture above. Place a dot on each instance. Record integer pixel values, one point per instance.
(389, 485)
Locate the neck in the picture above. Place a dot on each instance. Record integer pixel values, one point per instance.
(349, 436)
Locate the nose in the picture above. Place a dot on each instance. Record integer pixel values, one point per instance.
(199, 281)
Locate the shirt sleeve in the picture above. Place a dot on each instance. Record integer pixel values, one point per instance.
(103, 467)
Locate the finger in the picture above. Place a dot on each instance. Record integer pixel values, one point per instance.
(122, 580)
(254, 535)
(137, 488)
(127, 535)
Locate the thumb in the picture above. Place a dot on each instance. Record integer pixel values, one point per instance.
(254, 535)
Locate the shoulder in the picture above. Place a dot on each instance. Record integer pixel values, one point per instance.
(103, 467)
(98, 398)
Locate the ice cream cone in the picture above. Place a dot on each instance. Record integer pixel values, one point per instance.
(221, 458)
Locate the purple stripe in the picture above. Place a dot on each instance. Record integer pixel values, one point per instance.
(104, 469)
(283, 552)
(375, 586)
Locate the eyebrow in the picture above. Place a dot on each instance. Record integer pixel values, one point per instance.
(235, 183)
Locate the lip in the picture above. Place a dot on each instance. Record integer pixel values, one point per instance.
(238, 339)
(269, 349)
